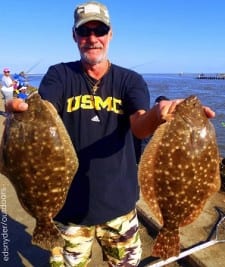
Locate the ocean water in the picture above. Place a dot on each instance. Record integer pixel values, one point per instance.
(34, 79)
(210, 92)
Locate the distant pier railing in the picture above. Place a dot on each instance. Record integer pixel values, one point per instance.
(211, 77)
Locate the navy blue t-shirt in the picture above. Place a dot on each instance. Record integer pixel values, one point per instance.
(105, 186)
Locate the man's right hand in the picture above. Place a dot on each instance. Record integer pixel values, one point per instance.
(15, 105)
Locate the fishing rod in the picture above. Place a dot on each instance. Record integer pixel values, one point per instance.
(32, 67)
(141, 65)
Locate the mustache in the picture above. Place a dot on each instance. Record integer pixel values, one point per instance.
(91, 46)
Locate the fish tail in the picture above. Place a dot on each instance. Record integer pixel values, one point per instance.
(167, 244)
(47, 236)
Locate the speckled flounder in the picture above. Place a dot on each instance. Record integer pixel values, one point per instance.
(178, 172)
(38, 157)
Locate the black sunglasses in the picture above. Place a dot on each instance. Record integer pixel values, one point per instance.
(85, 31)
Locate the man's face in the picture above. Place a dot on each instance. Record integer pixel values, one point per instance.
(93, 41)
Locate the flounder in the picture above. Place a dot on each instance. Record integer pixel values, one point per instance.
(39, 159)
(178, 172)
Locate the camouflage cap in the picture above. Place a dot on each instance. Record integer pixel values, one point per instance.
(91, 11)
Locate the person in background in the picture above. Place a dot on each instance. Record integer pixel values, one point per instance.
(160, 98)
(8, 84)
(7, 81)
(102, 105)
(22, 93)
(20, 79)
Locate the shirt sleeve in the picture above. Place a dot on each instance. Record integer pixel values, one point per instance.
(51, 87)
(137, 96)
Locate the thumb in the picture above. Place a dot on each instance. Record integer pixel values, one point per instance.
(16, 105)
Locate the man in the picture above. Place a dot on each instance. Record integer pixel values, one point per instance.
(101, 105)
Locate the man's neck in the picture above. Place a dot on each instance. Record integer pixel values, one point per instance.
(98, 70)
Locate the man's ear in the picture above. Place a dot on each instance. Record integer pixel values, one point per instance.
(110, 34)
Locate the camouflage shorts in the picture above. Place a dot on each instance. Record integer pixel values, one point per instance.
(118, 238)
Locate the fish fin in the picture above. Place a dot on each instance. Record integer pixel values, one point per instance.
(167, 244)
(146, 172)
(196, 210)
(193, 216)
(47, 236)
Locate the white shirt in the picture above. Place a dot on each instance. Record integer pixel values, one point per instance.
(6, 81)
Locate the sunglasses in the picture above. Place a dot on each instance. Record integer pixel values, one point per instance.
(84, 31)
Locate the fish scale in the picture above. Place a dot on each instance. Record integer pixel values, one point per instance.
(39, 159)
(178, 172)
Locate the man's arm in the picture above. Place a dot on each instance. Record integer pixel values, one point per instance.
(144, 123)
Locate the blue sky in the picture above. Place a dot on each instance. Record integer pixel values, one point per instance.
(149, 36)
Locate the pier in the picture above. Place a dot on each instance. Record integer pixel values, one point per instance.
(211, 77)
